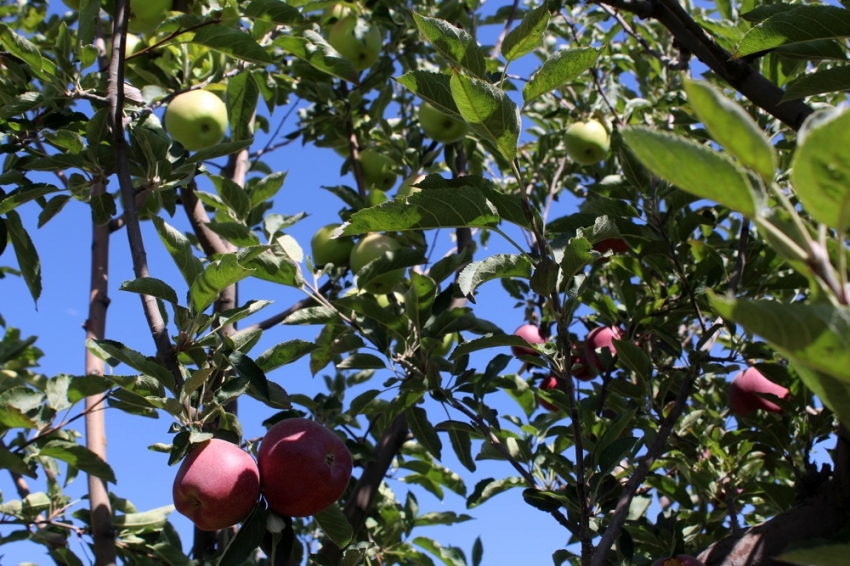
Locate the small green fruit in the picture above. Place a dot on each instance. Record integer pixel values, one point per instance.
(445, 346)
(197, 119)
(587, 142)
(357, 40)
(406, 189)
(329, 250)
(377, 170)
(370, 248)
(441, 127)
(146, 15)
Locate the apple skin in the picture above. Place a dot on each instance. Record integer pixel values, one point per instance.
(616, 245)
(304, 467)
(445, 347)
(217, 485)
(587, 142)
(146, 15)
(362, 51)
(441, 127)
(197, 119)
(531, 334)
(550, 382)
(600, 337)
(680, 560)
(378, 170)
(329, 250)
(370, 248)
(583, 374)
(743, 392)
(406, 189)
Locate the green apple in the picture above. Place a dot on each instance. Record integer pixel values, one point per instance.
(146, 15)
(587, 142)
(375, 197)
(378, 170)
(370, 248)
(197, 119)
(338, 11)
(441, 127)
(329, 250)
(406, 189)
(73, 4)
(445, 347)
(357, 40)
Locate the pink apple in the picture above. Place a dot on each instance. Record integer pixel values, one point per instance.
(217, 485)
(583, 374)
(531, 334)
(745, 389)
(304, 467)
(600, 337)
(550, 382)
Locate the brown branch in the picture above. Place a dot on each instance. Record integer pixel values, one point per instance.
(740, 75)
(674, 65)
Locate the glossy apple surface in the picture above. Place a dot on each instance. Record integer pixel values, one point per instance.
(370, 248)
(357, 40)
(744, 393)
(550, 382)
(531, 334)
(441, 127)
(587, 142)
(330, 250)
(197, 119)
(217, 485)
(304, 467)
(378, 170)
(600, 337)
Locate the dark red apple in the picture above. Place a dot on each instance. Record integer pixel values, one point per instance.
(600, 337)
(680, 560)
(217, 485)
(550, 382)
(583, 374)
(745, 389)
(616, 245)
(304, 467)
(531, 334)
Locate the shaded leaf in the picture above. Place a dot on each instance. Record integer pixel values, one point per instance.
(489, 112)
(150, 286)
(453, 43)
(804, 23)
(494, 267)
(79, 457)
(335, 525)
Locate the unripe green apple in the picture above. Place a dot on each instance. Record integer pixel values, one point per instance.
(329, 250)
(587, 142)
(337, 12)
(370, 248)
(146, 15)
(378, 170)
(406, 189)
(357, 40)
(445, 347)
(197, 119)
(441, 127)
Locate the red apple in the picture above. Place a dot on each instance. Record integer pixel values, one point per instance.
(616, 245)
(217, 485)
(680, 560)
(583, 374)
(304, 467)
(550, 382)
(531, 334)
(745, 389)
(600, 337)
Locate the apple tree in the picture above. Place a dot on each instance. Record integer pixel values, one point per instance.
(671, 182)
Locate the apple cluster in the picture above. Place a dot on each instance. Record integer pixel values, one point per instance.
(302, 468)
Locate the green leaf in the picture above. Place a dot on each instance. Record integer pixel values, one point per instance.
(613, 432)
(24, 50)
(234, 315)
(489, 112)
(148, 521)
(487, 488)
(180, 249)
(15, 464)
(693, 167)
(110, 348)
(764, 12)
(26, 254)
(150, 286)
(247, 539)
(834, 394)
(335, 525)
(559, 69)
(447, 266)
(277, 269)
(312, 315)
(362, 361)
(540, 500)
(820, 172)
(218, 150)
(79, 457)
(453, 43)
(248, 368)
(425, 210)
(836, 79)
(388, 262)
(441, 518)
(102, 208)
(317, 52)
(266, 188)
(494, 267)
(489, 341)
(462, 446)
(450, 556)
(477, 552)
(233, 42)
(53, 207)
(25, 194)
(423, 430)
(275, 11)
(817, 554)
(802, 24)
(242, 95)
(215, 278)
(527, 35)
(434, 88)
(634, 358)
(817, 335)
(733, 128)
(820, 50)
(284, 353)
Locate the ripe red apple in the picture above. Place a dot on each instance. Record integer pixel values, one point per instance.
(550, 382)
(531, 334)
(304, 467)
(583, 374)
(600, 337)
(680, 560)
(616, 245)
(217, 485)
(744, 390)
